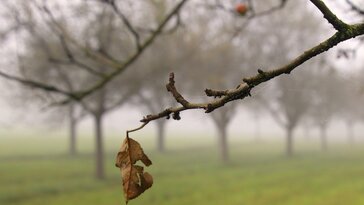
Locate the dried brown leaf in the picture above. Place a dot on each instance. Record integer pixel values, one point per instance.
(135, 180)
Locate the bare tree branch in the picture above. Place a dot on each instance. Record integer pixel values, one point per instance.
(127, 23)
(65, 38)
(35, 84)
(72, 60)
(119, 67)
(29, 27)
(252, 14)
(255, 14)
(243, 89)
(355, 7)
(268, 11)
(135, 56)
(329, 16)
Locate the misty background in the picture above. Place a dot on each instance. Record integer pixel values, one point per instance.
(297, 140)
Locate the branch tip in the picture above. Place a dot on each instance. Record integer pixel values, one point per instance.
(337, 23)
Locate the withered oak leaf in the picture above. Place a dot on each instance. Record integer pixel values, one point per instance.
(135, 180)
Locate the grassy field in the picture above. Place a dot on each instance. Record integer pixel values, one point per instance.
(36, 170)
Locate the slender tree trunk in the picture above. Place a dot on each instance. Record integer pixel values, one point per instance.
(99, 152)
(72, 131)
(257, 129)
(223, 143)
(307, 132)
(323, 136)
(350, 130)
(289, 142)
(221, 120)
(73, 136)
(161, 134)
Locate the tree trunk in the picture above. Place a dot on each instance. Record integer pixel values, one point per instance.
(307, 132)
(99, 152)
(221, 120)
(323, 138)
(350, 129)
(257, 129)
(161, 134)
(72, 131)
(289, 142)
(224, 151)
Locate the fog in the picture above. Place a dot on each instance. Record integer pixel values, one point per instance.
(251, 101)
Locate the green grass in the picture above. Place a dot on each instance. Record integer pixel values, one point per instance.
(36, 171)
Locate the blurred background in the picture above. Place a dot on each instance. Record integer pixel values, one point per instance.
(297, 140)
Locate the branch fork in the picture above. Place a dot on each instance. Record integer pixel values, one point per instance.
(344, 32)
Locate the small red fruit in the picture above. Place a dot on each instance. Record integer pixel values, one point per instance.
(241, 8)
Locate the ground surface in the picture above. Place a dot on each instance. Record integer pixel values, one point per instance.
(36, 171)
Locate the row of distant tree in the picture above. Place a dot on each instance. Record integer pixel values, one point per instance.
(203, 54)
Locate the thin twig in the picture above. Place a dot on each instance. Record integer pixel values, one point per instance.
(127, 23)
(355, 7)
(254, 15)
(136, 129)
(329, 16)
(121, 68)
(243, 89)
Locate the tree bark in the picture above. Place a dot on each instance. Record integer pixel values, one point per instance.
(72, 131)
(289, 142)
(161, 136)
(99, 152)
(323, 136)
